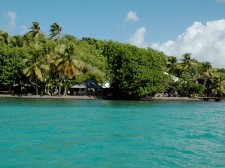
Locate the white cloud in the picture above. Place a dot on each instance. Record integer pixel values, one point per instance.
(204, 42)
(132, 16)
(220, 1)
(11, 20)
(138, 38)
(23, 29)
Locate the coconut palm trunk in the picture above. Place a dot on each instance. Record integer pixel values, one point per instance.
(36, 86)
(65, 90)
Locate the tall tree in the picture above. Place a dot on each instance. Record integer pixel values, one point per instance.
(206, 71)
(55, 31)
(206, 76)
(171, 64)
(192, 74)
(68, 66)
(187, 61)
(35, 31)
(10, 66)
(218, 85)
(35, 68)
(135, 71)
(50, 60)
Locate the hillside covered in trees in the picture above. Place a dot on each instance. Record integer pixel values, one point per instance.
(42, 64)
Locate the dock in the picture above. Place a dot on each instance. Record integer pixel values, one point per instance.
(216, 99)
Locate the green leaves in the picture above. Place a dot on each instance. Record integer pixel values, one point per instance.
(35, 30)
(134, 70)
(55, 31)
(129, 69)
(10, 66)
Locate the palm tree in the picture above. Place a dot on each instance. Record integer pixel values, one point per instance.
(50, 60)
(192, 74)
(206, 75)
(36, 68)
(55, 32)
(35, 31)
(67, 65)
(187, 61)
(218, 85)
(171, 64)
(206, 71)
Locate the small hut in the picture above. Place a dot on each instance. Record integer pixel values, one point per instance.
(87, 87)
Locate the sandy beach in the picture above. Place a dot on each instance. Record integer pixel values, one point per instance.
(48, 97)
(93, 97)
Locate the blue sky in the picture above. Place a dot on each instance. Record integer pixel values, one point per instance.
(161, 24)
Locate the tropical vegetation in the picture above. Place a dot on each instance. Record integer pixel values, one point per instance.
(34, 63)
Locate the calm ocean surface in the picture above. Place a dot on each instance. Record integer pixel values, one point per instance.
(72, 133)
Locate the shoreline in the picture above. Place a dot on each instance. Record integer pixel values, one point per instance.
(175, 99)
(94, 97)
(49, 97)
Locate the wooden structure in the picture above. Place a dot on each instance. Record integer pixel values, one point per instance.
(217, 99)
(87, 87)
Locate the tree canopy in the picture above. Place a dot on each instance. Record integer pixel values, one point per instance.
(53, 64)
(135, 71)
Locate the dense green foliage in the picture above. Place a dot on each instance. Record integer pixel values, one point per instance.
(10, 66)
(48, 66)
(195, 78)
(135, 71)
(35, 63)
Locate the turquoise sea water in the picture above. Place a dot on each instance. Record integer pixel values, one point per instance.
(72, 133)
